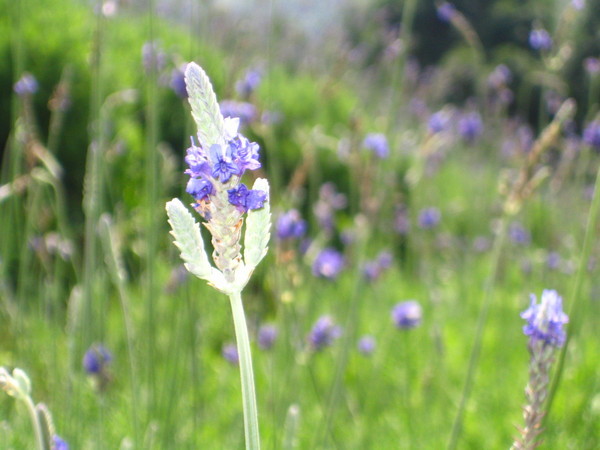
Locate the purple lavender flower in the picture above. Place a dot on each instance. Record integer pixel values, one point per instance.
(267, 334)
(328, 264)
(553, 260)
(366, 345)
(96, 359)
(199, 188)
(470, 126)
(429, 218)
(591, 134)
(407, 314)
(178, 82)
(246, 199)
(246, 112)
(438, 121)
(518, 234)
(323, 333)
(539, 39)
(222, 164)
(59, 443)
(247, 85)
(545, 321)
(378, 144)
(500, 77)
(329, 202)
(290, 225)
(401, 220)
(230, 353)
(372, 270)
(153, 58)
(592, 66)
(26, 85)
(446, 12)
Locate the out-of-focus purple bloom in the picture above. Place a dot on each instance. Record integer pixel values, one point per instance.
(438, 121)
(545, 321)
(373, 269)
(481, 244)
(470, 126)
(366, 345)
(553, 260)
(446, 12)
(153, 58)
(230, 353)
(591, 134)
(247, 85)
(429, 218)
(271, 117)
(592, 65)
(378, 144)
(401, 220)
(290, 225)
(539, 39)
(245, 198)
(500, 77)
(59, 443)
(329, 202)
(26, 85)
(328, 264)
(267, 334)
(96, 359)
(323, 333)
(407, 314)
(518, 234)
(178, 82)
(246, 112)
(578, 4)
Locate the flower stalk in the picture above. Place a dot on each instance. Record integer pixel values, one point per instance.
(216, 166)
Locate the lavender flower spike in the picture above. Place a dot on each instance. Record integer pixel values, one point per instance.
(544, 327)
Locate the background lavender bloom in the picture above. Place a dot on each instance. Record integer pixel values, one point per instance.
(401, 220)
(407, 314)
(247, 85)
(178, 82)
(26, 85)
(290, 225)
(59, 443)
(328, 264)
(366, 345)
(429, 218)
(438, 121)
(246, 112)
(545, 320)
(96, 359)
(267, 334)
(539, 39)
(378, 144)
(323, 333)
(153, 58)
(592, 65)
(553, 260)
(230, 353)
(373, 269)
(591, 134)
(470, 126)
(518, 234)
(500, 77)
(446, 12)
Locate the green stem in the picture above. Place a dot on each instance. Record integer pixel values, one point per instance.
(39, 435)
(246, 373)
(478, 340)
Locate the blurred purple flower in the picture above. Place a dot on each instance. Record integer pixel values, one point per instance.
(518, 234)
(323, 333)
(591, 134)
(230, 353)
(366, 345)
(446, 12)
(592, 65)
(378, 144)
(246, 112)
(178, 82)
(553, 260)
(26, 85)
(59, 443)
(407, 314)
(153, 58)
(545, 320)
(500, 77)
(438, 121)
(267, 334)
(401, 220)
(470, 126)
(96, 359)
(247, 85)
(290, 225)
(373, 269)
(539, 39)
(429, 218)
(328, 264)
